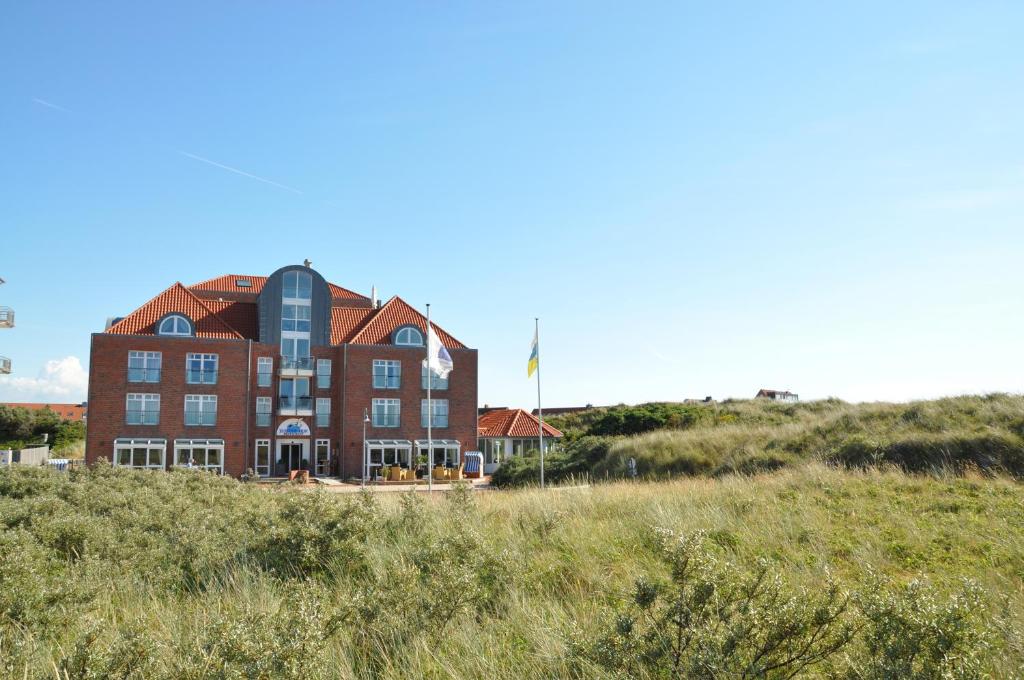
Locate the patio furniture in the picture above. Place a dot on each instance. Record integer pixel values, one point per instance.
(395, 474)
(455, 473)
(440, 472)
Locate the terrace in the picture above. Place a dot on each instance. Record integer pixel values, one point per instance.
(6, 317)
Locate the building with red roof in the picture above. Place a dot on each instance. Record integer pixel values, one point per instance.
(63, 411)
(274, 374)
(506, 432)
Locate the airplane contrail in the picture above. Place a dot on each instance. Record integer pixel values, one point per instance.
(43, 102)
(243, 173)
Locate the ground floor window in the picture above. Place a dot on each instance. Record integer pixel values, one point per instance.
(382, 453)
(446, 451)
(323, 457)
(140, 453)
(263, 457)
(205, 454)
(493, 450)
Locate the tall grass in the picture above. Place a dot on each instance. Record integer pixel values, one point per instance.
(112, 573)
(985, 432)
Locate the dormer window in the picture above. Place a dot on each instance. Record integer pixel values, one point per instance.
(408, 336)
(175, 324)
(297, 285)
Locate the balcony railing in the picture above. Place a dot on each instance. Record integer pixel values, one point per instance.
(193, 377)
(6, 317)
(150, 375)
(298, 363)
(302, 403)
(142, 417)
(5, 365)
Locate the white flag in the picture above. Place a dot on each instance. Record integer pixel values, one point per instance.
(438, 359)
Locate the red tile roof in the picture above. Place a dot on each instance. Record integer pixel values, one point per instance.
(178, 299)
(397, 312)
(512, 422)
(242, 316)
(346, 321)
(229, 284)
(65, 411)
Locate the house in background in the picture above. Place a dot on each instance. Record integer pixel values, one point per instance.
(63, 411)
(274, 374)
(778, 395)
(505, 432)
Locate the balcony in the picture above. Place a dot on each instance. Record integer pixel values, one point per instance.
(5, 365)
(295, 406)
(6, 317)
(295, 366)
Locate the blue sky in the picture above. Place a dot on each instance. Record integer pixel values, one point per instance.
(696, 198)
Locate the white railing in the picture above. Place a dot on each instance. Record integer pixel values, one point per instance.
(6, 317)
(5, 365)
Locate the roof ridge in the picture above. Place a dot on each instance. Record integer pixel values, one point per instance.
(174, 286)
(143, 306)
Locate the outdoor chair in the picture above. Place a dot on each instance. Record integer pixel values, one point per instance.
(395, 474)
(440, 472)
(456, 473)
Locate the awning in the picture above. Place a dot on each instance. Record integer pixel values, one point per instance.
(438, 443)
(199, 442)
(389, 443)
(140, 442)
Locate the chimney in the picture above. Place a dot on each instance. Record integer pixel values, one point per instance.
(373, 298)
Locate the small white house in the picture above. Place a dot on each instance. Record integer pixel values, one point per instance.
(507, 432)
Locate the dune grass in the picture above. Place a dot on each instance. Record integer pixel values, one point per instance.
(750, 436)
(112, 573)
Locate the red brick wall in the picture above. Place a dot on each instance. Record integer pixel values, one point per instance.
(108, 387)
(359, 393)
(351, 388)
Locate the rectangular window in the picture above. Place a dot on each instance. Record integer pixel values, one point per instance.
(323, 457)
(140, 453)
(142, 409)
(144, 366)
(295, 352)
(323, 412)
(323, 373)
(294, 393)
(200, 409)
(436, 381)
(295, 318)
(204, 454)
(264, 371)
(263, 457)
(440, 407)
(386, 412)
(263, 411)
(201, 369)
(297, 285)
(387, 374)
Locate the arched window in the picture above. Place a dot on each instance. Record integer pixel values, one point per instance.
(175, 324)
(297, 285)
(408, 336)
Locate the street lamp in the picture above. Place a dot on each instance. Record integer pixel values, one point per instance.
(366, 419)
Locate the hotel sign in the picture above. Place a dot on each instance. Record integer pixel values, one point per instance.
(293, 427)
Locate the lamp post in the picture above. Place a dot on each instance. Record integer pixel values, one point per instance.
(366, 419)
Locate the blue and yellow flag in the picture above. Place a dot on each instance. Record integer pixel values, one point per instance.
(531, 365)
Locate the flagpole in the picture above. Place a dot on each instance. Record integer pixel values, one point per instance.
(540, 412)
(430, 419)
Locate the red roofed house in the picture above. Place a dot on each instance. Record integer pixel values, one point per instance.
(506, 432)
(274, 374)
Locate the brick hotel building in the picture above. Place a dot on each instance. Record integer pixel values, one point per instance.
(274, 374)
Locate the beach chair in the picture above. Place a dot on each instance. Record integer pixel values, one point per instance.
(474, 465)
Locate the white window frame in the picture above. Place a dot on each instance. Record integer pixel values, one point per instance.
(193, 446)
(177, 321)
(440, 408)
(294, 396)
(322, 466)
(436, 381)
(149, 445)
(386, 377)
(296, 313)
(262, 470)
(152, 364)
(205, 375)
(261, 364)
(323, 373)
(402, 337)
(143, 399)
(323, 412)
(264, 407)
(204, 400)
(384, 411)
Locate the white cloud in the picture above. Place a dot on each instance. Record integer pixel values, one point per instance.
(60, 379)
